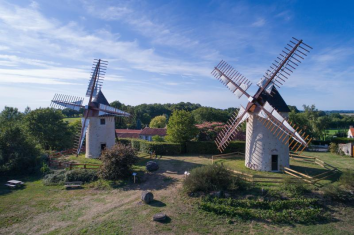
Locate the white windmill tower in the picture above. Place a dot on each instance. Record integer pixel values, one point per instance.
(269, 135)
(98, 123)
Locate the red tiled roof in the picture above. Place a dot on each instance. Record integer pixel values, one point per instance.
(128, 133)
(154, 131)
(352, 131)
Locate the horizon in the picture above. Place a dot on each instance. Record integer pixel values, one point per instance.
(163, 51)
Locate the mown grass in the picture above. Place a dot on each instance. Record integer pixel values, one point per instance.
(39, 209)
(71, 120)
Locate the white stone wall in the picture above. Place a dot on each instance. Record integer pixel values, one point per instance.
(98, 134)
(261, 144)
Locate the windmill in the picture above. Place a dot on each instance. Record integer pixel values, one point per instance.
(98, 123)
(269, 135)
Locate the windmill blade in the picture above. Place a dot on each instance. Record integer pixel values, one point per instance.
(231, 129)
(284, 65)
(60, 101)
(104, 109)
(85, 124)
(232, 79)
(97, 75)
(274, 121)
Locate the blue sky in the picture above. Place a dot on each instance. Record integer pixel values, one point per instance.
(163, 51)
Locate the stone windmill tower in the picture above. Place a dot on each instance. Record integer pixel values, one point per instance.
(269, 135)
(98, 123)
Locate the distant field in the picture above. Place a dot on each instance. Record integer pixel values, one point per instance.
(347, 114)
(71, 120)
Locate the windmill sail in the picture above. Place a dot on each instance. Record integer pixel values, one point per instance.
(283, 66)
(232, 79)
(112, 111)
(98, 73)
(63, 101)
(277, 120)
(85, 124)
(231, 129)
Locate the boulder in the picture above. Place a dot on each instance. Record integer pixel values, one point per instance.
(160, 217)
(147, 197)
(152, 166)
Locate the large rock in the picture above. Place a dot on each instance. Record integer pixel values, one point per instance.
(147, 197)
(159, 217)
(152, 166)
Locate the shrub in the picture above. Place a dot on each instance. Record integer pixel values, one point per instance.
(208, 147)
(81, 175)
(295, 187)
(342, 140)
(211, 178)
(334, 148)
(117, 162)
(45, 169)
(57, 177)
(347, 179)
(337, 193)
(157, 138)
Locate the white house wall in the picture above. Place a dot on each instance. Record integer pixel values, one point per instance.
(261, 144)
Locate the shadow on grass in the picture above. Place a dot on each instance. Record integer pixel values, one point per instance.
(156, 203)
(4, 190)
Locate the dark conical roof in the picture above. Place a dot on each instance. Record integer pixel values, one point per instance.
(100, 98)
(275, 100)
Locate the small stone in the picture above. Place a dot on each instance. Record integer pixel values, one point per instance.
(147, 197)
(152, 166)
(159, 217)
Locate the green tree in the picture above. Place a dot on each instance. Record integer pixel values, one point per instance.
(47, 127)
(181, 127)
(209, 114)
(158, 122)
(18, 152)
(157, 138)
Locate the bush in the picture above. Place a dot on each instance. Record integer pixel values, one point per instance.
(55, 178)
(211, 178)
(333, 148)
(117, 162)
(157, 138)
(208, 147)
(342, 140)
(347, 179)
(45, 169)
(81, 175)
(295, 187)
(337, 193)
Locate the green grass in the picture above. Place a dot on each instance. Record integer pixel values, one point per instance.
(39, 209)
(71, 120)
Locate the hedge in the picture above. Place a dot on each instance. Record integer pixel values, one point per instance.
(333, 140)
(208, 147)
(163, 148)
(160, 148)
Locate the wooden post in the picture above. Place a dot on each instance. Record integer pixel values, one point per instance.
(85, 166)
(70, 166)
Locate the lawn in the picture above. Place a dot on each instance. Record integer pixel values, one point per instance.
(39, 209)
(71, 120)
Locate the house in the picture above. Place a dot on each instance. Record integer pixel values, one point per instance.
(347, 148)
(148, 133)
(350, 133)
(128, 133)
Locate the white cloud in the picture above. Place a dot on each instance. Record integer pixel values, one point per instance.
(260, 22)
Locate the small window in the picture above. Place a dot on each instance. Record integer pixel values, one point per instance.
(102, 121)
(103, 146)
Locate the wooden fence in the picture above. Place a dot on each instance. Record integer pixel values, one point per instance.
(331, 170)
